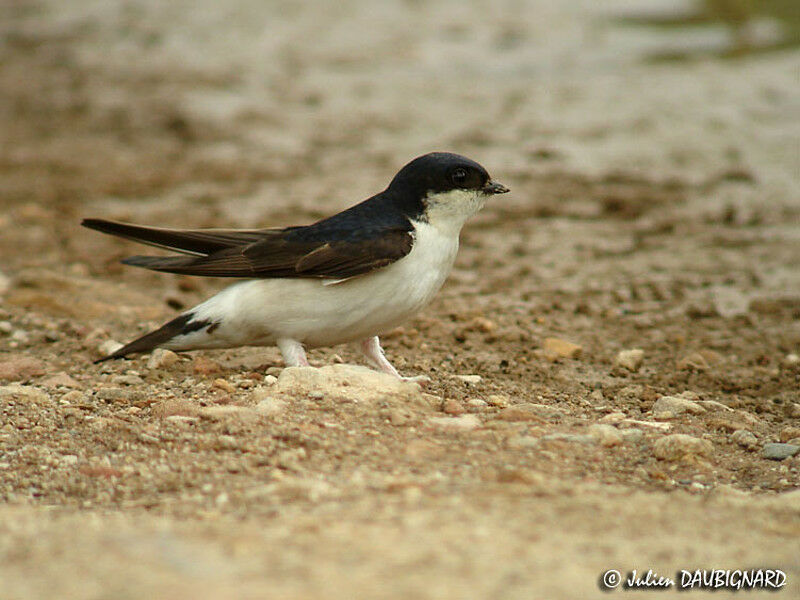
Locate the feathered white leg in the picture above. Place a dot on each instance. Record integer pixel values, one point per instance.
(294, 355)
(371, 347)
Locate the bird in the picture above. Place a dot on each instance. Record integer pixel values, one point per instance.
(347, 278)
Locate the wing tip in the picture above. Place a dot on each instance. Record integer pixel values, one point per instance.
(92, 223)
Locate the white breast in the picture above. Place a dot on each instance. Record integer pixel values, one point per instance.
(259, 312)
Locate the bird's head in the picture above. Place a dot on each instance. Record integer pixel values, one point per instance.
(451, 188)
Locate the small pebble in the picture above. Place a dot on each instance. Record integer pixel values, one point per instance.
(172, 408)
(630, 359)
(470, 378)
(114, 394)
(606, 435)
(482, 324)
(181, 419)
(162, 358)
(127, 380)
(61, 379)
(789, 433)
(699, 361)
(775, 451)
(477, 403)
(149, 439)
(73, 397)
(632, 436)
(679, 446)
(205, 366)
(21, 337)
(668, 407)
(713, 405)
(613, 418)
(452, 407)
(746, 439)
(109, 347)
(498, 401)
(558, 348)
(224, 385)
(791, 360)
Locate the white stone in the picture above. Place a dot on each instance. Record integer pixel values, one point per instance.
(668, 407)
(109, 347)
(162, 358)
(746, 439)
(679, 446)
(630, 359)
(477, 403)
(606, 435)
(351, 382)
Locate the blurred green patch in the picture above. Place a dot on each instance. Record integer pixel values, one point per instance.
(754, 26)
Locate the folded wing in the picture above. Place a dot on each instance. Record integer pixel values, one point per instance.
(296, 252)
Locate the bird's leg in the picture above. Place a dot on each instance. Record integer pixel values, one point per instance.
(371, 347)
(294, 355)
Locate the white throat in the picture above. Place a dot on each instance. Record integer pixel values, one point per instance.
(448, 211)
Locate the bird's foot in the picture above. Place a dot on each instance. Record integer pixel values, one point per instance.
(421, 380)
(371, 347)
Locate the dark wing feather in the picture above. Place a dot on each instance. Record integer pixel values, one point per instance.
(347, 259)
(277, 257)
(365, 237)
(199, 242)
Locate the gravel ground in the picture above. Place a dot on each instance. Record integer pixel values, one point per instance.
(614, 360)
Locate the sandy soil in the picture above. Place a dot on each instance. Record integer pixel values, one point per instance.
(653, 206)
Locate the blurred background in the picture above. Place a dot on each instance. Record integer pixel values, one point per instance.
(253, 113)
(653, 152)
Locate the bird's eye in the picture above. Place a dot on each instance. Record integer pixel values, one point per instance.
(459, 176)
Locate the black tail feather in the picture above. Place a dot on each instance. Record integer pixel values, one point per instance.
(199, 242)
(180, 325)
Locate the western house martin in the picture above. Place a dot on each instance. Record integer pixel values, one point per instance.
(346, 278)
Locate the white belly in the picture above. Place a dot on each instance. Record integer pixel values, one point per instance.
(261, 311)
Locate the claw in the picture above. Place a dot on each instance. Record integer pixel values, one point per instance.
(421, 380)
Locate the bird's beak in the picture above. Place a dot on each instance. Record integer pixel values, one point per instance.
(492, 187)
